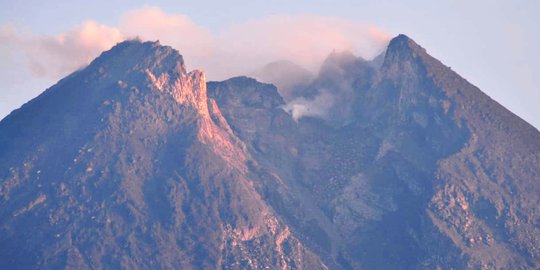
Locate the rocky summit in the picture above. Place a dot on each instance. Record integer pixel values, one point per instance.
(392, 163)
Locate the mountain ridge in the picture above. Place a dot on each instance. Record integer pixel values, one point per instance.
(134, 162)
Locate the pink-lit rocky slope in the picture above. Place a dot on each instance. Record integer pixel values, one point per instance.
(136, 163)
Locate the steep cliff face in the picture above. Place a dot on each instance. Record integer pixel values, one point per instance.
(128, 164)
(395, 163)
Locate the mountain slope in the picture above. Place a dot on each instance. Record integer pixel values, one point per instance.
(121, 165)
(395, 163)
(425, 171)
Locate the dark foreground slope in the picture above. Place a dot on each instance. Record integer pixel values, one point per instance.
(132, 163)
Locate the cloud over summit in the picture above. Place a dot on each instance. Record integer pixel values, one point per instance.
(55, 56)
(233, 50)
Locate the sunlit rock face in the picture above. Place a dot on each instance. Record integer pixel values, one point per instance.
(128, 164)
(393, 163)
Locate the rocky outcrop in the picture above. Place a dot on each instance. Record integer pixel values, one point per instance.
(128, 164)
(394, 163)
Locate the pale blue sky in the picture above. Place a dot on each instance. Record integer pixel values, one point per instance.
(493, 44)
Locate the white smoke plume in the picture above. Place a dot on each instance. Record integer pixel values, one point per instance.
(318, 106)
(234, 50)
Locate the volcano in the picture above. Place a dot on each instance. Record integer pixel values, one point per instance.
(393, 163)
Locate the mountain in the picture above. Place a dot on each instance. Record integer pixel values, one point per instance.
(287, 76)
(127, 164)
(394, 163)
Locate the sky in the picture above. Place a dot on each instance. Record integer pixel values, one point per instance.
(493, 44)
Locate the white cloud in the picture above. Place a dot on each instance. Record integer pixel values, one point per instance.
(305, 40)
(235, 50)
(55, 56)
(179, 31)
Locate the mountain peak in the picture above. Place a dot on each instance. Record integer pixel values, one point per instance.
(285, 75)
(403, 41)
(402, 47)
(340, 55)
(136, 55)
(340, 58)
(135, 61)
(132, 162)
(401, 38)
